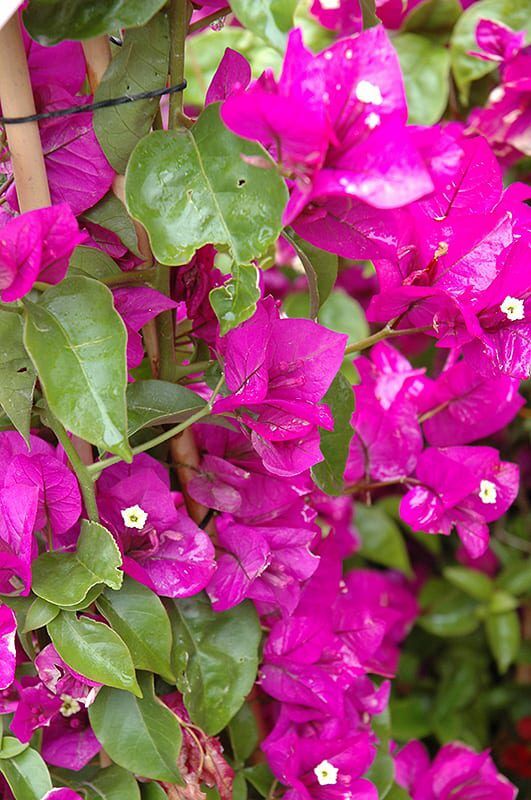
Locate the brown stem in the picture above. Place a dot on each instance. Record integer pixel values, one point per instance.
(23, 140)
(185, 458)
(385, 333)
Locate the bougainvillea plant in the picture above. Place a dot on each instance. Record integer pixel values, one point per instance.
(264, 464)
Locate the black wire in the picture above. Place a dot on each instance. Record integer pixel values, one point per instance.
(113, 101)
(206, 519)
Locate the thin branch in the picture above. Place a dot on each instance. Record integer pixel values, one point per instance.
(201, 24)
(385, 333)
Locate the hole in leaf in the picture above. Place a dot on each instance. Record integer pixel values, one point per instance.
(241, 182)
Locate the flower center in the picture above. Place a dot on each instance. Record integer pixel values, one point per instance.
(326, 773)
(70, 706)
(368, 92)
(372, 120)
(513, 308)
(134, 517)
(487, 492)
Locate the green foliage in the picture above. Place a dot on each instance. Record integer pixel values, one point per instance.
(320, 268)
(89, 262)
(52, 21)
(17, 375)
(94, 650)
(110, 213)
(215, 659)
(111, 783)
(381, 538)
(426, 69)
(139, 734)
(65, 578)
(77, 341)
(157, 402)
(192, 187)
(235, 301)
(504, 637)
(447, 611)
(269, 19)
(328, 474)
(138, 616)
(26, 774)
(140, 65)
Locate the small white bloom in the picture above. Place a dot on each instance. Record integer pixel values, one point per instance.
(372, 120)
(134, 517)
(368, 92)
(330, 5)
(70, 706)
(513, 308)
(326, 773)
(487, 492)
(496, 95)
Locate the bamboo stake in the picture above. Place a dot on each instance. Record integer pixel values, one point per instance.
(23, 140)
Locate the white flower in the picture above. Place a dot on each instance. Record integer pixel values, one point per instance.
(513, 308)
(326, 773)
(372, 120)
(330, 5)
(70, 706)
(487, 492)
(134, 517)
(368, 92)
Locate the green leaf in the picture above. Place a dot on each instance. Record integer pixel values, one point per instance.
(235, 301)
(411, 717)
(205, 50)
(239, 787)
(192, 187)
(448, 611)
(53, 21)
(433, 16)
(112, 783)
(40, 614)
(90, 262)
(382, 771)
(152, 791)
(328, 474)
(141, 735)
(320, 268)
(516, 578)
(343, 314)
(64, 578)
(397, 793)
(215, 659)
(110, 213)
(140, 65)
(156, 402)
(504, 638)
(471, 581)
(515, 14)
(502, 601)
(77, 342)
(243, 733)
(94, 650)
(17, 375)
(11, 747)
(139, 618)
(368, 14)
(426, 70)
(269, 19)
(261, 778)
(381, 539)
(27, 775)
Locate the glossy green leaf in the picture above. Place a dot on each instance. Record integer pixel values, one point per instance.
(192, 187)
(397, 793)
(269, 19)
(77, 342)
(112, 783)
(52, 21)
(94, 650)
(382, 771)
(140, 65)
(141, 735)
(343, 314)
(40, 614)
(320, 268)
(64, 578)
(90, 262)
(426, 70)
(243, 733)
(235, 301)
(433, 16)
(156, 402)
(410, 717)
(11, 747)
(239, 787)
(17, 375)
(138, 616)
(504, 638)
(515, 14)
(27, 775)
(152, 791)
(111, 213)
(502, 601)
(471, 581)
(447, 610)
(328, 474)
(215, 659)
(381, 538)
